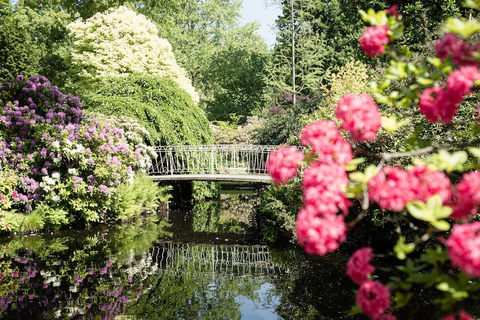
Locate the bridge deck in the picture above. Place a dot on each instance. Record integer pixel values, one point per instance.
(214, 177)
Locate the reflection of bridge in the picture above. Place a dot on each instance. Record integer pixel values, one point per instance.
(212, 162)
(226, 261)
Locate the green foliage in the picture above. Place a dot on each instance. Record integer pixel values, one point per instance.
(33, 42)
(278, 211)
(297, 65)
(18, 50)
(144, 195)
(234, 77)
(158, 104)
(284, 123)
(232, 133)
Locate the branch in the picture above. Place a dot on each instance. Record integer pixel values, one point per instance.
(390, 156)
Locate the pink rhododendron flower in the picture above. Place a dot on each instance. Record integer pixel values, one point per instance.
(373, 298)
(439, 105)
(460, 51)
(392, 188)
(320, 234)
(327, 142)
(462, 54)
(323, 188)
(373, 40)
(430, 182)
(360, 116)
(466, 197)
(461, 81)
(446, 45)
(464, 248)
(283, 164)
(393, 10)
(359, 267)
(462, 315)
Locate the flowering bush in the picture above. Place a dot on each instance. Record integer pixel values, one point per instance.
(61, 157)
(430, 188)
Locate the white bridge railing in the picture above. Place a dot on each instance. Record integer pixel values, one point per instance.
(212, 159)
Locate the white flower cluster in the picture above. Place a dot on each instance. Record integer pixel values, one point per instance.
(101, 40)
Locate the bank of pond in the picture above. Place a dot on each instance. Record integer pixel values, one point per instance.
(205, 263)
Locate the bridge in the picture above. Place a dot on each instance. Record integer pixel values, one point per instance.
(204, 260)
(245, 163)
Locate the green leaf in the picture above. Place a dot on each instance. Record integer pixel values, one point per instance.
(441, 225)
(432, 211)
(401, 249)
(354, 164)
(474, 151)
(358, 176)
(391, 124)
(435, 256)
(374, 18)
(425, 81)
(472, 4)
(449, 162)
(436, 62)
(401, 300)
(461, 27)
(354, 311)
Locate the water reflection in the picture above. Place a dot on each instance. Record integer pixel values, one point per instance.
(206, 265)
(78, 275)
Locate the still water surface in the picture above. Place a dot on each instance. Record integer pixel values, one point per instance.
(207, 264)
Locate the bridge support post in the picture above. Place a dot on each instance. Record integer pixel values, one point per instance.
(182, 195)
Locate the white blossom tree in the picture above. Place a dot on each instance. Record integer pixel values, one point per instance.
(117, 43)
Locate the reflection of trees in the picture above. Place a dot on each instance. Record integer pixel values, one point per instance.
(186, 297)
(317, 288)
(199, 281)
(230, 214)
(88, 274)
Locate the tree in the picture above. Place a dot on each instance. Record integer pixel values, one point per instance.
(119, 43)
(194, 28)
(234, 77)
(297, 63)
(158, 104)
(33, 42)
(19, 53)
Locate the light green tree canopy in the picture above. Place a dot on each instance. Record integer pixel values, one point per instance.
(118, 43)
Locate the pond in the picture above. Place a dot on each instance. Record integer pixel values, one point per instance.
(205, 263)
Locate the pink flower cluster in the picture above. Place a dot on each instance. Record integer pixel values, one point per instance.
(327, 142)
(319, 234)
(373, 40)
(373, 298)
(461, 315)
(464, 248)
(360, 116)
(393, 187)
(466, 197)
(283, 164)
(359, 267)
(460, 51)
(441, 104)
(322, 188)
(319, 229)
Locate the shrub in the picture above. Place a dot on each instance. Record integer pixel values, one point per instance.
(158, 104)
(55, 155)
(429, 194)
